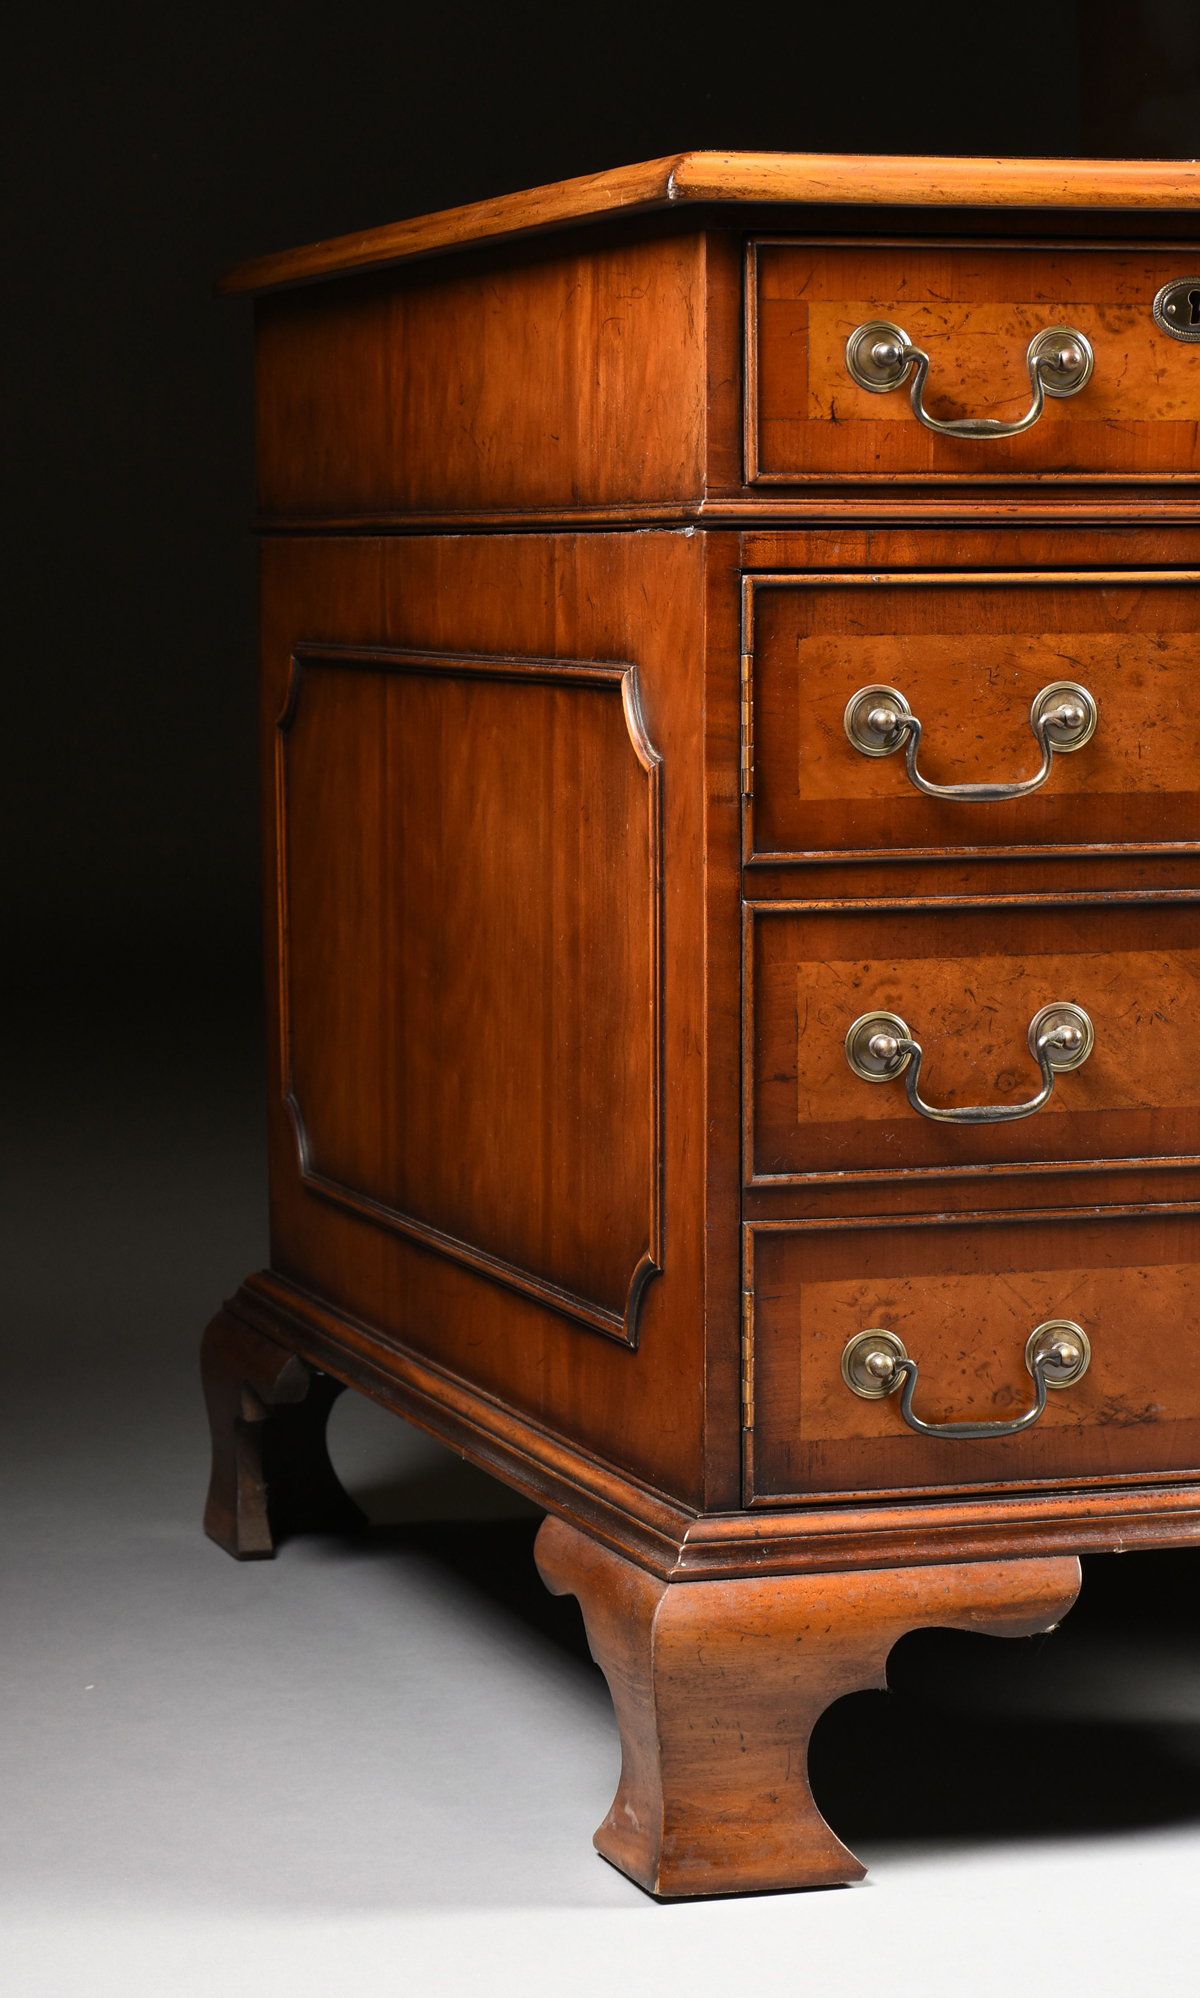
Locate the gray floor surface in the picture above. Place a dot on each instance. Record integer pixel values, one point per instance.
(375, 1767)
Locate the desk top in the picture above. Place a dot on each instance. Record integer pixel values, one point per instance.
(795, 178)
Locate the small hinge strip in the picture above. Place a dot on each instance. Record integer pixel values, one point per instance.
(747, 1359)
(747, 765)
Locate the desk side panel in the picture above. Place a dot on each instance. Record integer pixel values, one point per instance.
(484, 775)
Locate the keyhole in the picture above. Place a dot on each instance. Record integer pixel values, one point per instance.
(1194, 302)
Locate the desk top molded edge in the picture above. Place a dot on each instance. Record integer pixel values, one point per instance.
(787, 178)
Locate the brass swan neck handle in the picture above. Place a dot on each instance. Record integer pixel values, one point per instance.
(875, 1364)
(880, 357)
(1063, 716)
(879, 1047)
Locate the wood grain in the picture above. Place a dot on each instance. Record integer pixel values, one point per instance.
(577, 375)
(964, 1299)
(790, 1534)
(470, 901)
(1001, 534)
(974, 309)
(969, 654)
(967, 981)
(717, 1687)
(449, 833)
(739, 177)
(911, 180)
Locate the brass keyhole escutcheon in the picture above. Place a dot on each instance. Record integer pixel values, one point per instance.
(1176, 309)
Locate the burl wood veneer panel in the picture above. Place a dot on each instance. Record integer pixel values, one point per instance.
(478, 840)
(562, 378)
(964, 1299)
(967, 981)
(485, 973)
(969, 654)
(973, 309)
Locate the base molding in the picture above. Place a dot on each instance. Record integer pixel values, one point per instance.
(676, 1542)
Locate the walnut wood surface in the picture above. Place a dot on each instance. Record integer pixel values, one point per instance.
(969, 655)
(809, 178)
(717, 1687)
(475, 1002)
(577, 374)
(964, 1299)
(597, 377)
(808, 1534)
(667, 1415)
(498, 940)
(1035, 531)
(974, 310)
(395, 775)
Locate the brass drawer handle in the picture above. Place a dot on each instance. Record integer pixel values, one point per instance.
(874, 1364)
(880, 357)
(879, 1047)
(1063, 717)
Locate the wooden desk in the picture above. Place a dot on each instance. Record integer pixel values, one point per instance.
(631, 626)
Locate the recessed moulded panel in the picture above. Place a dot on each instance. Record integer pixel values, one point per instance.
(963, 1299)
(970, 655)
(967, 980)
(470, 914)
(973, 309)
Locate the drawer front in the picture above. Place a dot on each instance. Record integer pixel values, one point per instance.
(963, 1301)
(967, 980)
(970, 655)
(973, 309)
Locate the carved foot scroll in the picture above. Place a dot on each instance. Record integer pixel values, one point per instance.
(718, 1685)
(271, 1473)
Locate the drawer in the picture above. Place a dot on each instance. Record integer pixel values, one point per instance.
(970, 655)
(967, 980)
(963, 1301)
(973, 310)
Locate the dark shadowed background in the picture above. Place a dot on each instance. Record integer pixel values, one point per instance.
(149, 147)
